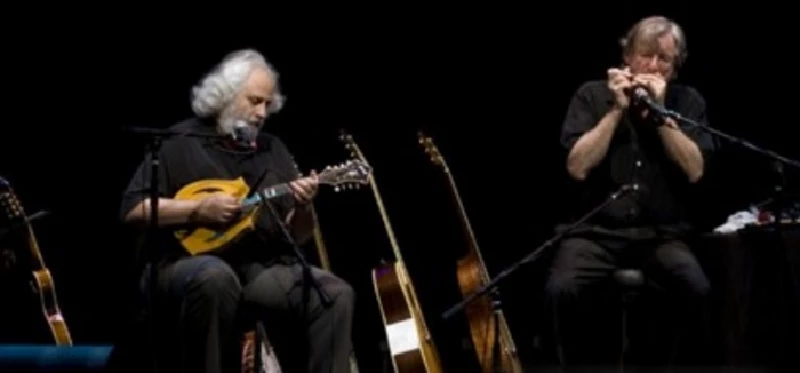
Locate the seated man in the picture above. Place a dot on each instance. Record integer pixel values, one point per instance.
(612, 141)
(199, 298)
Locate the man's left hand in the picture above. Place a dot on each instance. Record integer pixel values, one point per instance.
(305, 189)
(655, 83)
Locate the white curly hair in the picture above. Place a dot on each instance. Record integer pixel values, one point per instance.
(220, 86)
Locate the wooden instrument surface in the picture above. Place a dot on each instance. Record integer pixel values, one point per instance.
(484, 321)
(202, 240)
(43, 279)
(410, 343)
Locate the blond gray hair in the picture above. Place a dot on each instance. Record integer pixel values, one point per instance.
(221, 85)
(649, 30)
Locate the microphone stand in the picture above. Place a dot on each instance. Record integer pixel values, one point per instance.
(298, 252)
(492, 285)
(156, 137)
(779, 161)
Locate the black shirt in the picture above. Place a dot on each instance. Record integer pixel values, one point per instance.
(188, 159)
(636, 154)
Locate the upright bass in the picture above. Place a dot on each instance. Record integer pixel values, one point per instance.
(487, 324)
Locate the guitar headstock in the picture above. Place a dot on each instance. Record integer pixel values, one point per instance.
(348, 175)
(10, 207)
(352, 147)
(431, 150)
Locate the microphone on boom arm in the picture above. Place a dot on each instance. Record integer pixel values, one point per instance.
(642, 99)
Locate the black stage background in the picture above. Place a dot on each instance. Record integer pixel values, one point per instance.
(491, 90)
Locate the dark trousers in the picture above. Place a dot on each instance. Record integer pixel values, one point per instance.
(204, 304)
(587, 261)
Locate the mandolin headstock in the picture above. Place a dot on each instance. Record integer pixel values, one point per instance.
(348, 175)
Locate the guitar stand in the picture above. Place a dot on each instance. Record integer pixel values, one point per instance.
(497, 309)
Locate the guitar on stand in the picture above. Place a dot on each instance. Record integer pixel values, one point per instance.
(491, 336)
(44, 285)
(410, 343)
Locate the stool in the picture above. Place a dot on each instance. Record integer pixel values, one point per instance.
(257, 353)
(630, 281)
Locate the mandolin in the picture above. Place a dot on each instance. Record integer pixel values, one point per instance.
(410, 343)
(203, 240)
(44, 283)
(488, 328)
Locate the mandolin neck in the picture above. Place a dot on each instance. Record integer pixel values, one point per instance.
(269, 193)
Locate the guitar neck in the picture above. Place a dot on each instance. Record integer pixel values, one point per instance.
(33, 246)
(472, 242)
(385, 217)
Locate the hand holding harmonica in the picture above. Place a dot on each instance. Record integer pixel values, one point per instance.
(620, 81)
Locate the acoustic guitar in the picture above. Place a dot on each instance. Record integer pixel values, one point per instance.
(43, 281)
(410, 343)
(202, 240)
(487, 324)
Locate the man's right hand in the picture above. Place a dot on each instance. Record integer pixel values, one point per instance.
(618, 81)
(217, 209)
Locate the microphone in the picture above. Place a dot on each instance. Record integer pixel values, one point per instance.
(244, 133)
(631, 187)
(641, 96)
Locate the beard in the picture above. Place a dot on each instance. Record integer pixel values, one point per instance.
(232, 122)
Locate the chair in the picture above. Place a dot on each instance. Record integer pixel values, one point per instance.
(631, 281)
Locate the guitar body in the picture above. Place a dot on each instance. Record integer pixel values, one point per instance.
(484, 323)
(50, 309)
(410, 344)
(202, 240)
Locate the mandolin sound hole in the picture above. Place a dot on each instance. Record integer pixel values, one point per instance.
(207, 191)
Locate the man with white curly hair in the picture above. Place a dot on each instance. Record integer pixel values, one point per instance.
(200, 298)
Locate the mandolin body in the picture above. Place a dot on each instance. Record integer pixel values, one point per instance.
(202, 240)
